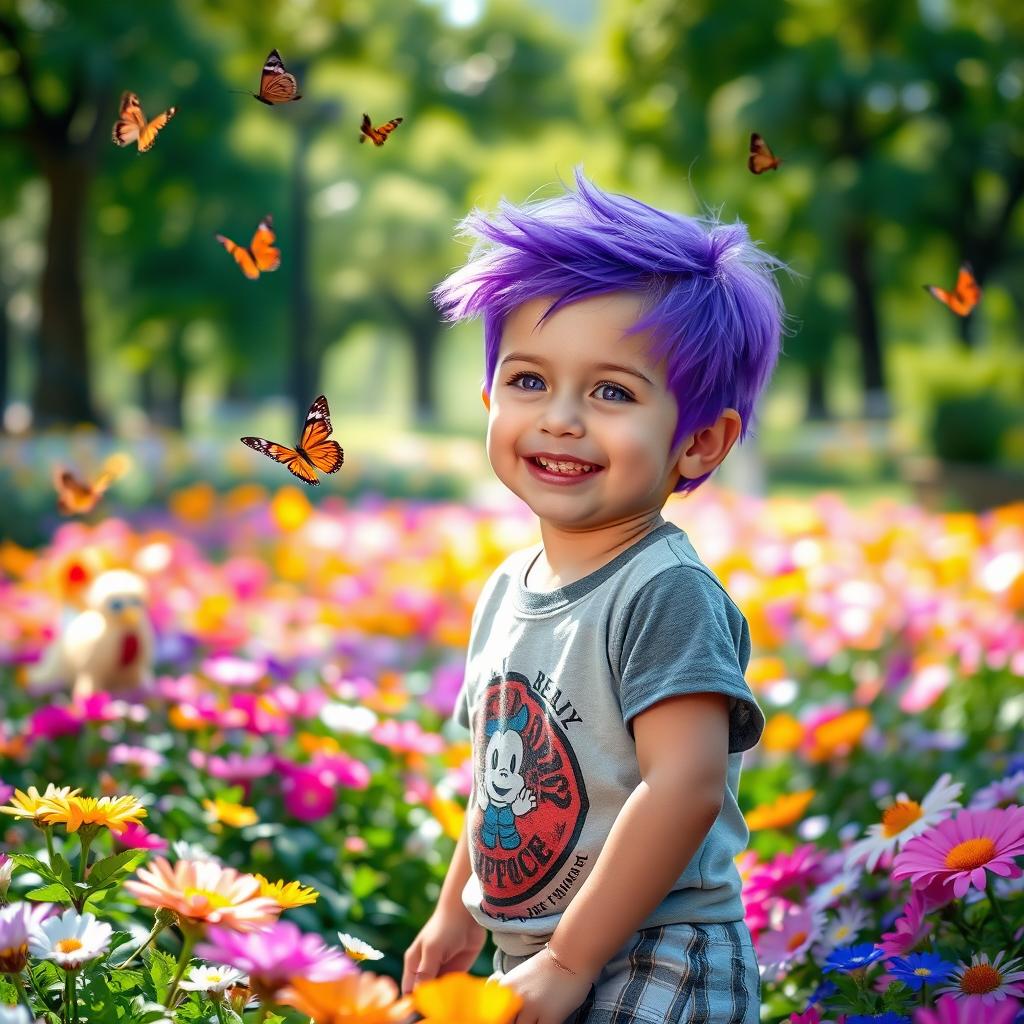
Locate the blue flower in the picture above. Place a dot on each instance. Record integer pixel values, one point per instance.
(919, 969)
(889, 1017)
(823, 991)
(849, 958)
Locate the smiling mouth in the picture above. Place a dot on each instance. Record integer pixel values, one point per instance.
(499, 790)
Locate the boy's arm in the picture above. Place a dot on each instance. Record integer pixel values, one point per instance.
(682, 746)
(451, 940)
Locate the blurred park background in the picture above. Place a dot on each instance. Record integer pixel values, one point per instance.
(124, 324)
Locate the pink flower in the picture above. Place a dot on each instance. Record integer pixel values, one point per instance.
(49, 722)
(959, 851)
(812, 1015)
(307, 796)
(950, 1010)
(139, 757)
(911, 927)
(273, 956)
(781, 947)
(135, 837)
(341, 770)
(789, 876)
(407, 737)
(238, 767)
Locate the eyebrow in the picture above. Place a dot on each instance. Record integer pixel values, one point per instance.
(597, 366)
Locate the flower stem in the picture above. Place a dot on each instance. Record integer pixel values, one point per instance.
(48, 833)
(20, 986)
(188, 941)
(86, 842)
(220, 1012)
(70, 997)
(157, 929)
(997, 913)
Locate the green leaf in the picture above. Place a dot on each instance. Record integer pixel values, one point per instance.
(160, 968)
(55, 892)
(26, 860)
(62, 869)
(112, 869)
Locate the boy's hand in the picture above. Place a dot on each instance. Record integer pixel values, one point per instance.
(449, 941)
(549, 994)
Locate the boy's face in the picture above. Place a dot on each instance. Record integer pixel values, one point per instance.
(567, 404)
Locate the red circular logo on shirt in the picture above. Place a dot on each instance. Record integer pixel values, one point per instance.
(529, 800)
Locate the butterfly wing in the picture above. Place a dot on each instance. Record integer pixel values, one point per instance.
(325, 454)
(152, 128)
(276, 84)
(130, 121)
(74, 497)
(288, 457)
(379, 134)
(965, 295)
(264, 254)
(761, 158)
(244, 258)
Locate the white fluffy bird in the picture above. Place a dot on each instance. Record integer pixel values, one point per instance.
(108, 647)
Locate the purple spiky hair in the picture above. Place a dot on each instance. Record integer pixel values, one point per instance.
(709, 294)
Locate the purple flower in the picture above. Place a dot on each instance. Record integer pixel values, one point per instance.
(274, 955)
(18, 922)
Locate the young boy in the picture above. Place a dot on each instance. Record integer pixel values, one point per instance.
(625, 350)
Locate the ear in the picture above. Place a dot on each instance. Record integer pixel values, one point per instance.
(486, 398)
(700, 453)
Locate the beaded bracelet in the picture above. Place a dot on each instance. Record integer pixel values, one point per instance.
(558, 963)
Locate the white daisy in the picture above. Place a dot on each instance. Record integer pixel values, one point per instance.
(903, 820)
(70, 940)
(357, 949)
(832, 891)
(842, 930)
(215, 980)
(6, 869)
(191, 851)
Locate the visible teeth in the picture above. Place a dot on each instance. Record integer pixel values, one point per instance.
(564, 467)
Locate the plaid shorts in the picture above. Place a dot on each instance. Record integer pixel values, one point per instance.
(675, 974)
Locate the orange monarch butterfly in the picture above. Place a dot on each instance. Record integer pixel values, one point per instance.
(76, 497)
(377, 135)
(261, 254)
(276, 84)
(761, 158)
(131, 123)
(964, 297)
(313, 452)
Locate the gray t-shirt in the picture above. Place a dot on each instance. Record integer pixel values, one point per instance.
(553, 681)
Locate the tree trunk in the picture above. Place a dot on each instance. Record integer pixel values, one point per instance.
(817, 403)
(424, 336)
(62, 393)
(857, 253)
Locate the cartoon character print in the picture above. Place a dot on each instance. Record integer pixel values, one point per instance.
(504, 795)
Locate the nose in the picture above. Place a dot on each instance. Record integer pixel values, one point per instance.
(561, 415)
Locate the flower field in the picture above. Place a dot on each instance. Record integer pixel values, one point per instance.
(290, 774)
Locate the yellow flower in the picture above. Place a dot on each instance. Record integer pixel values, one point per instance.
(310, 743)
(32, 803)
(449, 815)
(781, 813)
(113, 812)
(235, 815)
(286, 894)
(459, 998)
(290, 508)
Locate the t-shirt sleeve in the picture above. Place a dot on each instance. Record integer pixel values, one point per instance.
(682, 634)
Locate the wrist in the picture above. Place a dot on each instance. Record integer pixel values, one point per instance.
(567, 965)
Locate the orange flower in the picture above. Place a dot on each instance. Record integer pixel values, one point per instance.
(202, 891)
(782, 734)
(357, 998)
(839, 735)
(195, 504)
(781, 813)
(449, 815)
(34, 804)
(463, 999)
